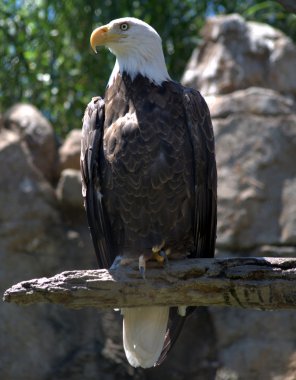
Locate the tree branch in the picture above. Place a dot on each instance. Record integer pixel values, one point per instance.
(261, 283)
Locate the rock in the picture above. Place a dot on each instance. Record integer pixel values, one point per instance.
(237, 54)
(254, 344)
(275, 251)
(70, 151)
(253, 100)
(34, 242)
(245, 69)
(26, 198)
(38, 135)
(288, 214)
(34, 239)
(69, 189)
(256, 150)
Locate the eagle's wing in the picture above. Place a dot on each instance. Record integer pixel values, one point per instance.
(201, 135)
(91, 143)
(205, 173)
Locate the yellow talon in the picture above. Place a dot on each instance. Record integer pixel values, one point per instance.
(157, 256)
(156, 252)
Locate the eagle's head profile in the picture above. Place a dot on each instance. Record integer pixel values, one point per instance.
(136, 45)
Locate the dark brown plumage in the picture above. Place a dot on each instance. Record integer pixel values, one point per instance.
(149, 174)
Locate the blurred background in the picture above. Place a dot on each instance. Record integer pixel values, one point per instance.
(46, 58)
(241, 55)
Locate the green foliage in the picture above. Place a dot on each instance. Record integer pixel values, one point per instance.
(46, 59)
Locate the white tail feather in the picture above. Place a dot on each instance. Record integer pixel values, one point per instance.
(144, 331)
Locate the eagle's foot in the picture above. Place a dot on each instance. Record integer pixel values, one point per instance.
(161, 255)
(158, 253)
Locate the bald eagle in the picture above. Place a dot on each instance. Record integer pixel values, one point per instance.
(148, 175)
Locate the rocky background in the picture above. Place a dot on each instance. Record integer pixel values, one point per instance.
(247, 73)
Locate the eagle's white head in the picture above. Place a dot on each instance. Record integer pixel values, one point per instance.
(137, 47)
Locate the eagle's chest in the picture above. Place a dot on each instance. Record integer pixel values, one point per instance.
(147, 184)
(122, 134)
(145, 142)
(143, 148)
(146, 168)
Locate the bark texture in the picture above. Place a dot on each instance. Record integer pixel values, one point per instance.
(260, 283)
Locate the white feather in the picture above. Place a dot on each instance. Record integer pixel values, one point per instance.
(144, 331)
(140, 52)
(182, 310)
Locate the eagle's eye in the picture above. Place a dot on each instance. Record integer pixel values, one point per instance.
(124, 26)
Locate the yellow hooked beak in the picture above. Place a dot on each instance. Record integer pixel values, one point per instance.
(102, 36)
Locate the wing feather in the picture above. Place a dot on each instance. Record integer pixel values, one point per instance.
(205, 173)
(91, 142)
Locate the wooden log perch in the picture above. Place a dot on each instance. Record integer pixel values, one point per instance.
(260, 283)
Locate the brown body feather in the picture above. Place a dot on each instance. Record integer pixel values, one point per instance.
(149, 173)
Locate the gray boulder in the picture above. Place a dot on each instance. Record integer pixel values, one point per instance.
(237, 54)
(69, 190)
(247, 72)
(70, 151)
(256, 154)
(34, 242)
(38, 135)
(27, 200)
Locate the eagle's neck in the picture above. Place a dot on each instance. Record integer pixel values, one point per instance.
(149, 63)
